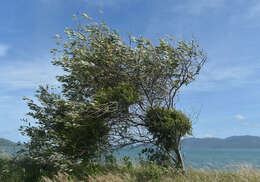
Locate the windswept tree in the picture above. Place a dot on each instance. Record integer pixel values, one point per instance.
(109, 94)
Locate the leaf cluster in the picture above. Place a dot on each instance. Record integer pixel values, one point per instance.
(167, 126)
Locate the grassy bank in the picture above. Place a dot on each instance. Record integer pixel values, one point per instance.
(150, 173)
(153, 173)
(26, 170)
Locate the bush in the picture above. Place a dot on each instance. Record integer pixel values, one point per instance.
(24, 169)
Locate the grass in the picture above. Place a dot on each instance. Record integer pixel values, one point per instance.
(26, 170)
(153, 173)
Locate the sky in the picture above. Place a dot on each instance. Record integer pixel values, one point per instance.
(223, 101)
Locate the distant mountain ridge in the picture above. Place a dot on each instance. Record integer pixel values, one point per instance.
(5, 142)
(230, 142)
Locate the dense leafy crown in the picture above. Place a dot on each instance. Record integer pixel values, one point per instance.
(167, 126)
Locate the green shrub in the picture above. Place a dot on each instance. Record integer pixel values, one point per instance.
(24, 169)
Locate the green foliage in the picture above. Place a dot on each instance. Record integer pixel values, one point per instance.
(151, 171)
(158, 156)
(110, 159)
(24, 169)
(106, 91)
(123, 94)
(68, 131)
(167, 126)
(127, 162)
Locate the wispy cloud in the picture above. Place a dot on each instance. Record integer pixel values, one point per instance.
(223, 76)
(3, 49)
(24, 75)
(240, 117)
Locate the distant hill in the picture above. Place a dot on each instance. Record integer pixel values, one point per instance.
(5, 142)
(230, 142)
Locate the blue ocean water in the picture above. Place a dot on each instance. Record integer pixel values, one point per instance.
(225, 158)
(221, 158)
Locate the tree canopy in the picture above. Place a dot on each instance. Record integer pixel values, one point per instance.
(113, 93)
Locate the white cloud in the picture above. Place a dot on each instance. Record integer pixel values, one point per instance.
(3, 49)
(24, 74)
(239, 117)
(225, 75)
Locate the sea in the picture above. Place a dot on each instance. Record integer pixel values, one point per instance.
(208, 158)
(203, 158)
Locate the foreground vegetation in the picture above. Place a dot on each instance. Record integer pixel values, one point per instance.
(139, 174)
(28, 170)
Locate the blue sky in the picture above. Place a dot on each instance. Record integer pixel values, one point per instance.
(225, 96)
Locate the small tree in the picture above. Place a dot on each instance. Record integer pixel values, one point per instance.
(108, 93)
(167, 126)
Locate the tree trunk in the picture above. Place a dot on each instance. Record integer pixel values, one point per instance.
(180, 159)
